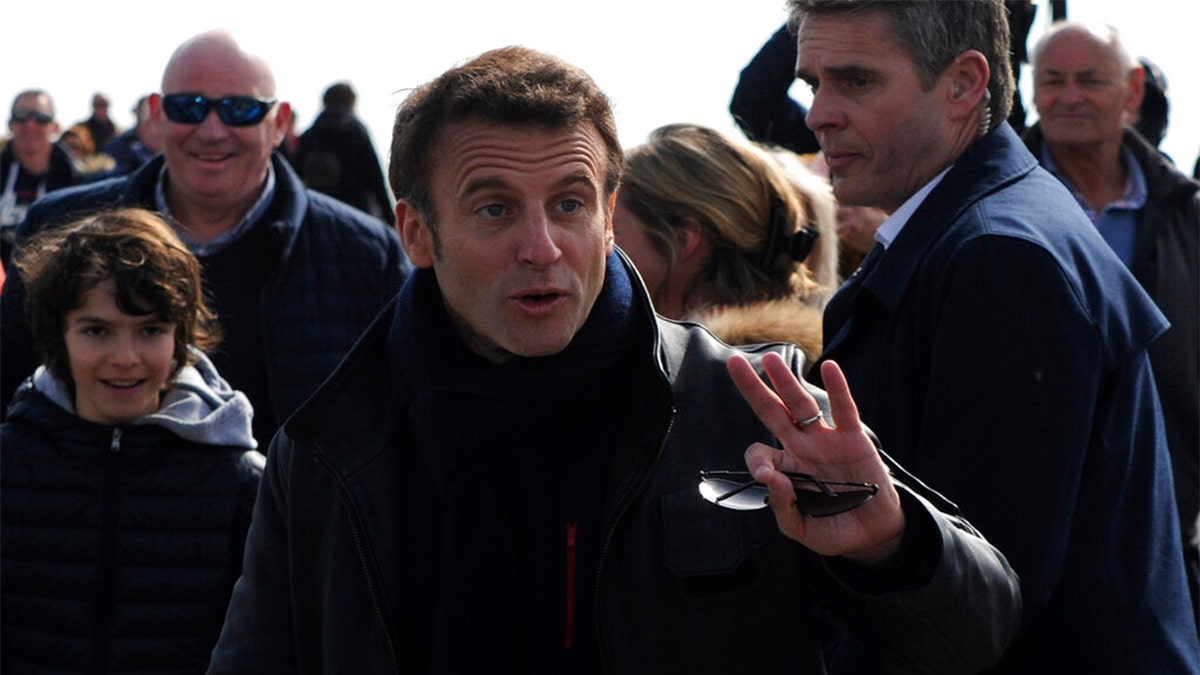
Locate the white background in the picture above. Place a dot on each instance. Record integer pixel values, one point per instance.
(661, 61)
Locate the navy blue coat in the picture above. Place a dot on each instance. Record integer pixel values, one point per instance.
(337, 268)
(999, 350)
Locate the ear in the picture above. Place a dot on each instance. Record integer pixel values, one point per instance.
(965, 83)
(1136, 81)
(283, 115)
(155, 103)
(609, 235)
(415, 234)
(693, 243)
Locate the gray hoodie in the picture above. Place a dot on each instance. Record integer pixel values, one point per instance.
(200, 406)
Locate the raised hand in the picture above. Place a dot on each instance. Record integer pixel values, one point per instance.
(833, 449)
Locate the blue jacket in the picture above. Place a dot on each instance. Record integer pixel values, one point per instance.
(999, 350)
(121, 544)
(337, 268)
(1166, 260)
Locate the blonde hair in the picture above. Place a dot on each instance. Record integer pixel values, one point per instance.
(752, 210)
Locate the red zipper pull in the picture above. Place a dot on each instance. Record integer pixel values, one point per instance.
(569, 637)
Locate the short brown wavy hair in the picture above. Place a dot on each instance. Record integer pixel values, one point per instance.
(511, 85)
(153, 271)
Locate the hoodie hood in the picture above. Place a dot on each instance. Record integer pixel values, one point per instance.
(200, 406)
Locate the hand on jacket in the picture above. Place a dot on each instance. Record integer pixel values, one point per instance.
(835, 450)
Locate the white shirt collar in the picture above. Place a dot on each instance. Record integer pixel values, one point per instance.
(890, 229)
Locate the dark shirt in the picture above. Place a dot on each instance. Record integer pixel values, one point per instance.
(234, 278)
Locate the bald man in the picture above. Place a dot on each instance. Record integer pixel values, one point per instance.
(295, 276)
(1088, 89)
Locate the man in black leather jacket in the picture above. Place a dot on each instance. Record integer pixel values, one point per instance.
(502, 474)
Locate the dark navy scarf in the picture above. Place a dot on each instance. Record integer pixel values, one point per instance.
(508, 479)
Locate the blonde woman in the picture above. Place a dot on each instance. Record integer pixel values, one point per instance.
(724, 234)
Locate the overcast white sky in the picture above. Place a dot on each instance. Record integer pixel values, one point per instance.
(661, 61)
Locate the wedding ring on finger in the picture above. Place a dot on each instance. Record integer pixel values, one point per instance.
(805, 424)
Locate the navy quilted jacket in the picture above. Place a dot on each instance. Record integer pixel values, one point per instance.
(338, 267)
(120, 545)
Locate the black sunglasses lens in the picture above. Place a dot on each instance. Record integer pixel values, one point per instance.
(242, 111)
(185, 108)
(234, 111)
(27, 115)
(812, 502)
(733, 494)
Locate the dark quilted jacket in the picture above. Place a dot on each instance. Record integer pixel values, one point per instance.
(338, 268)
(119, 545)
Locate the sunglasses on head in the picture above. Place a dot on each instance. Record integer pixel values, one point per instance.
(20, 116)
(815, 497)
(234, 111)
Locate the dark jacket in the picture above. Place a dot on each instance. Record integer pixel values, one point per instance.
(61, 174)
(121, 545)
(1166, 262)
(761, 105)
(999, 349)
(336, 269)
(683, 586)
(335, 156)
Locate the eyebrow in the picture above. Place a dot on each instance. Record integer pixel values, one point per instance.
(142, 319)
(494, 183)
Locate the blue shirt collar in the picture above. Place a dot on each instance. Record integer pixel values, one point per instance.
(221, 241)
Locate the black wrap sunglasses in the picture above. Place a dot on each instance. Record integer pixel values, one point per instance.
(234, 111)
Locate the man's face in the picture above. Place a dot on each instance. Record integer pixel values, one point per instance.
(211, 164)
(1082, 94)
(523, 232)
(882, 135)
(32, 125)
(100, 107)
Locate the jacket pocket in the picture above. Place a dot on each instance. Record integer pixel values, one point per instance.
(710, 552)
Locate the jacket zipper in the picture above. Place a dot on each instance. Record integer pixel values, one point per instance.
(605, 665)
(569, 637)
(107, 568)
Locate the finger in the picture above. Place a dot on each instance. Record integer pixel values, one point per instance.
(801, 405)
(762, 461)
(767, 465)
(767, 405)
(841, 402)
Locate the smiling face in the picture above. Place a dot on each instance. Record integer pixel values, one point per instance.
(883, 135)
(1083, 93)
(522, 233)
(213, 166)
(120, 363)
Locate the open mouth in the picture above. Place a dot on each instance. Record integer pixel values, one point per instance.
(123, 385)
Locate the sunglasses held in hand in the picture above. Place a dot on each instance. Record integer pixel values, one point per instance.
(814, 497)
(234, 111)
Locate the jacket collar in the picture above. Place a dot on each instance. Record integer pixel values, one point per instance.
(994, 161)
(284, 215)
(357, 413)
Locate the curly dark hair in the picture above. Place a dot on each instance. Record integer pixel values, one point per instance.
(153, 271)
